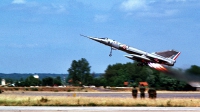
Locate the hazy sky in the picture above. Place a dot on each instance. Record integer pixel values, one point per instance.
(43, 36)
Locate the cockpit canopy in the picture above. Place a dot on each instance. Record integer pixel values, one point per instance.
(104, 38)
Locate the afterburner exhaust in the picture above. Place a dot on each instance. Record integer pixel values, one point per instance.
(158, 67)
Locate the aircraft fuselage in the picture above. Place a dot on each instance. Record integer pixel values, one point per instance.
(135, 54)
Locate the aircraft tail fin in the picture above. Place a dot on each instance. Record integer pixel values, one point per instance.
(174, 57)
(169, 54)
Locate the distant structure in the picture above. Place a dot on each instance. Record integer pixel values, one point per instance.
(3, 82)
(126, 84)
(143, 84)
(36, 76)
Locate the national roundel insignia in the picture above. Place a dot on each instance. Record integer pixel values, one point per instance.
(124, 46)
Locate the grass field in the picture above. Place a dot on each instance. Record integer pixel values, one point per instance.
(15, 100)
(12, 99)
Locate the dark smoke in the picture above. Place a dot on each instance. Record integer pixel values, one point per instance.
(192, 79)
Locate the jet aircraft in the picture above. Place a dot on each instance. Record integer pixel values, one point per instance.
(144, 58)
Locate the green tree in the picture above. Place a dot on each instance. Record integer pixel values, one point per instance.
(194, 69)
(48, 81)
(57, 81)
(117, 74)
(31, 81)
(80, 72)
(9, 80)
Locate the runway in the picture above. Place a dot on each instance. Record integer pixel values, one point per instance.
(105, 94)
(97, 109)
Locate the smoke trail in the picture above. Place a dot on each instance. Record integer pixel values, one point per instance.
(192, 79)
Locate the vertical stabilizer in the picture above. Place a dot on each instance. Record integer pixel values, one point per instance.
(169, 54)
(174, 57)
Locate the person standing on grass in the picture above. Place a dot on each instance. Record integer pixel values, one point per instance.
(142, 90)
(152, 93)
(134, 92)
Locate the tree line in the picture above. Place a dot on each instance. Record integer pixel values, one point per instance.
(116, 74)
(32, 81)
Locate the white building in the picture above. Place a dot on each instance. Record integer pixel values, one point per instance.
(3, 82)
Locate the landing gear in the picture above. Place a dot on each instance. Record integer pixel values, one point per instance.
(110, 51)
(111, 48)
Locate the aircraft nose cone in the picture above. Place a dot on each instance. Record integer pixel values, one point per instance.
(96, 39)
(93, 38)
(101, 40)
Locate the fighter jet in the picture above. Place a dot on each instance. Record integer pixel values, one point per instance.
(144, 58)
